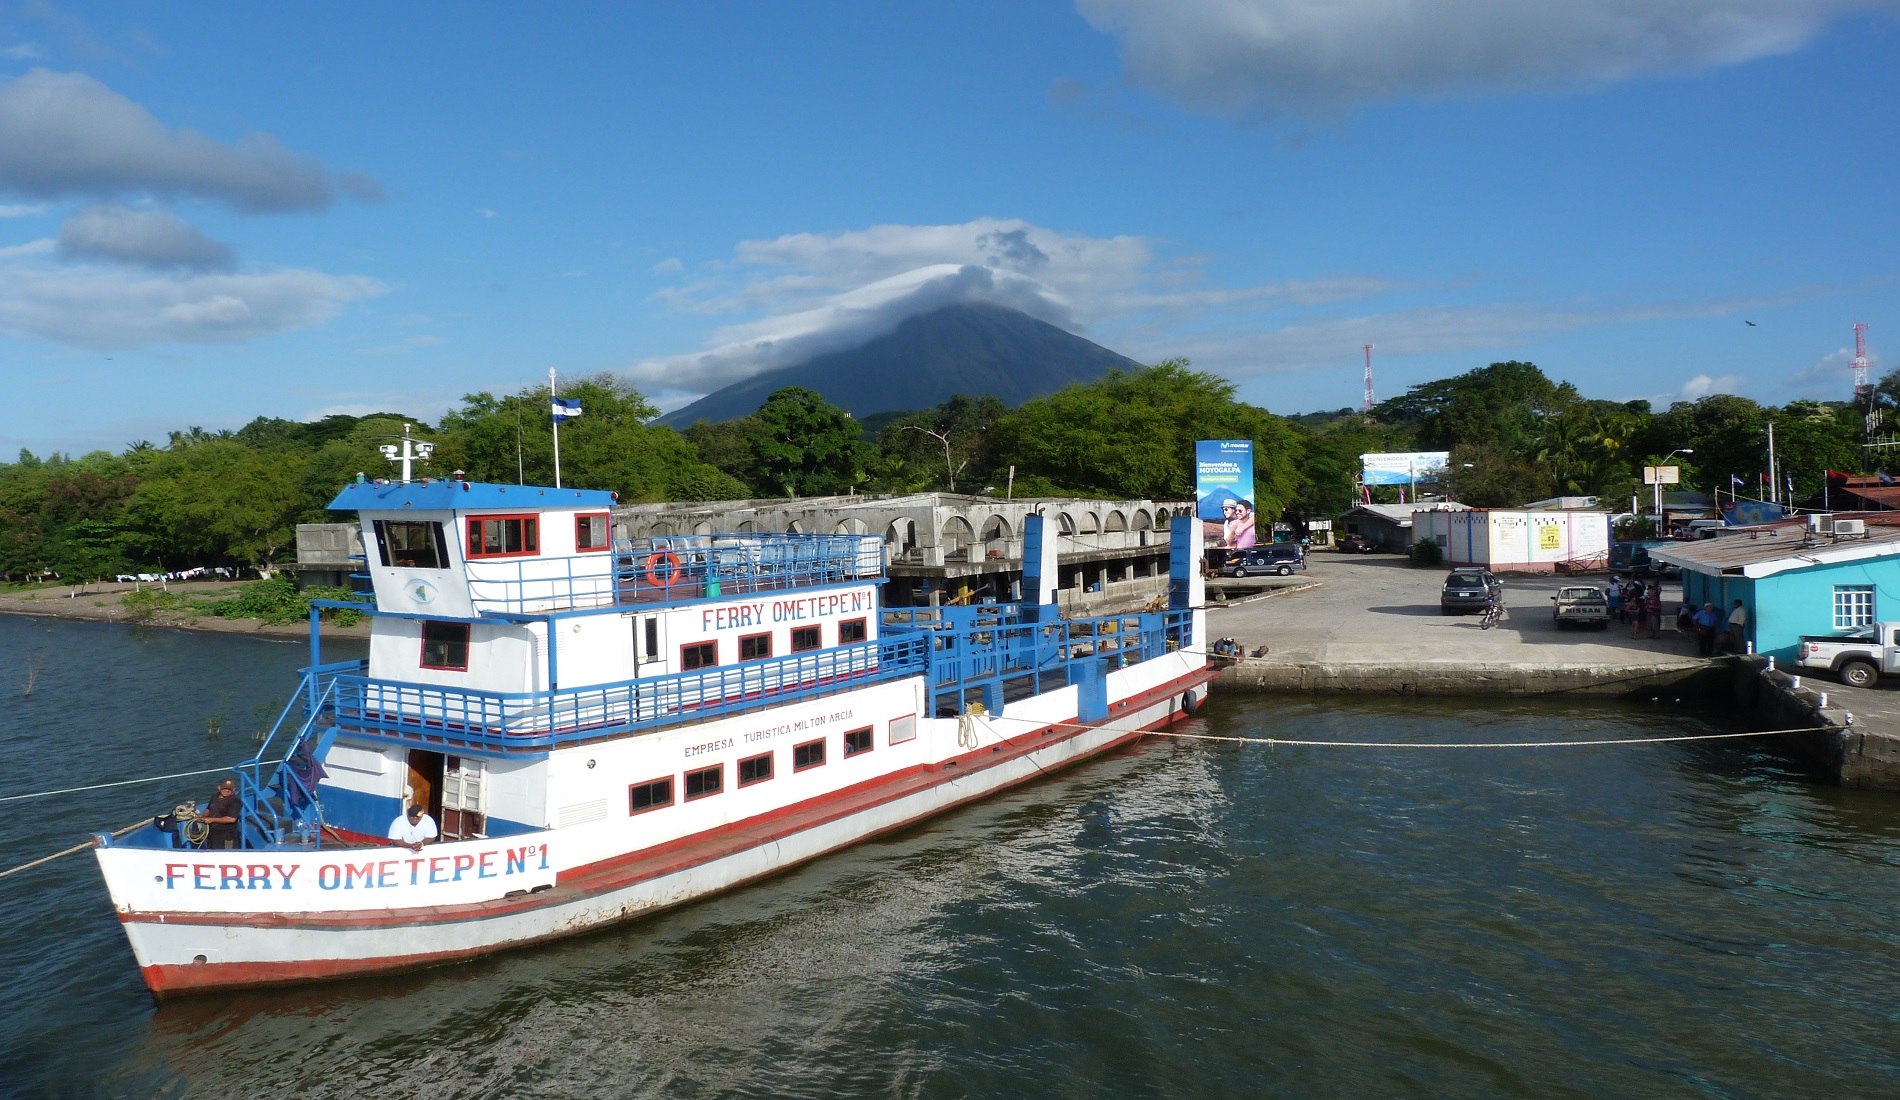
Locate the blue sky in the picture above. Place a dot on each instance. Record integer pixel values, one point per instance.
(210, 212)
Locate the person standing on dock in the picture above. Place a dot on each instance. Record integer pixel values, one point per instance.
(1737, 628)
(1613, 594)
(1706, 622)
(1652, 608)
(1638, 603)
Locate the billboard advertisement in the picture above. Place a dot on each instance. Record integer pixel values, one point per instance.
(1403, 468)
(1223, 492)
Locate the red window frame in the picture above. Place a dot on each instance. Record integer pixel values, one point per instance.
(632, 787)
(744, 638)
(815, 636)
(714, 663)
(423, 659)
(718, 770)
(797, 767)
(770, 770)
(863, 631)
(870, 741)
(607, 521)
(530, 536)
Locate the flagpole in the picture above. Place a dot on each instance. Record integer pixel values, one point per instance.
(557, 429)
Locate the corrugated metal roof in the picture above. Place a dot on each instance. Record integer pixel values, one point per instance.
(1402, 513)
(1764, 551)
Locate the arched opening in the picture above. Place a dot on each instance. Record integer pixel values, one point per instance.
(1116, 522)
(703, 527)
(958, 537)
(852, 526)
(900, 538)
(1091, 523)
(1065, 524)
(660, 530)
(794, 528)
(996, 537)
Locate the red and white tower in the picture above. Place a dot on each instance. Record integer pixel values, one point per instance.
(1368, 408)
(1863, 387)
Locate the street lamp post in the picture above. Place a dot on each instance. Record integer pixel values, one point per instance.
(1659, 466)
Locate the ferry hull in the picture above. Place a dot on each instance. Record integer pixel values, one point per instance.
(259, 949)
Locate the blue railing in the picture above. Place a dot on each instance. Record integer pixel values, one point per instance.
(669, 569)
(513, 722)
(277, 786)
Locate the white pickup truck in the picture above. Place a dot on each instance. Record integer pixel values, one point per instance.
(1860, 658)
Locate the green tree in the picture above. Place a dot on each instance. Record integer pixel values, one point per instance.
(807, 446)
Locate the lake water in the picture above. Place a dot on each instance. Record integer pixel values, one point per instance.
(1184, 919)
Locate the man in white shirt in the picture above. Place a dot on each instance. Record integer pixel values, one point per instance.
(413, 829)
(1737, 627)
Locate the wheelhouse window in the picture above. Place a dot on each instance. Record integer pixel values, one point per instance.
(503, 536)
(1853, 605)
(807, 637)
(407, 544)
(755, 769)
(811, 754)
(857, 741)
(851, 630)
(445, 646)
(705, 782)
(642, 797)
(592, 533)
(699, 655)
(755, 647)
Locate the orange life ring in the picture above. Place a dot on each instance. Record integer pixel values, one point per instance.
(673, 570)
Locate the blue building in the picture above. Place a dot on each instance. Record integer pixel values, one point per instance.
(1793, 580)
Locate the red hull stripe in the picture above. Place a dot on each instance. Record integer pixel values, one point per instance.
(703, 847)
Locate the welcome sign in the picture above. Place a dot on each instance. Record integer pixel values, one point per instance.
(1223, 491)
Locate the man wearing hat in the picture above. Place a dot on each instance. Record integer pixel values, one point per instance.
(413, 829)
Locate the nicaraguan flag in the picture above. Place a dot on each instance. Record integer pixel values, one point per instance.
(565, 409)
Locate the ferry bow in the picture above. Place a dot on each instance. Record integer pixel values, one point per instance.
(604, 729)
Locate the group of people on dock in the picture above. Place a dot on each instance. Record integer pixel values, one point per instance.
(1638, 604)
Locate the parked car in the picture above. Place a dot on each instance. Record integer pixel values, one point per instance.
(1281, 557)
(1469, 590)
(1859, 658)
(1356, 544)
(1584, 605)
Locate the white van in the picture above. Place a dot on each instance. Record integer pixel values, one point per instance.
(1705, 528)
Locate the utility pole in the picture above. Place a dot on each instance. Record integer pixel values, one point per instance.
(1774, 486)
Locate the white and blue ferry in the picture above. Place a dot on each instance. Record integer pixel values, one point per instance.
(605, 729)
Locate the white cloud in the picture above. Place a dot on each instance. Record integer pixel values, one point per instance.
(105, 309)
(152, 238)
(822, 292)
(1264, 58)
(22, 51)
(666, 266)
(42, 247)
(486, 212)
(1702, 386)
(20, 209)
(65, 134)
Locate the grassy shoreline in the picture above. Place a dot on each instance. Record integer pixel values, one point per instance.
(270, 608)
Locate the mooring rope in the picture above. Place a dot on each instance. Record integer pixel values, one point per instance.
(71, 850)
(120, 783)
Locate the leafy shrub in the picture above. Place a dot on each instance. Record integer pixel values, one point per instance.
(1427, 552)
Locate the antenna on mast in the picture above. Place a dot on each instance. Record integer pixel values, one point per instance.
(1368, 409)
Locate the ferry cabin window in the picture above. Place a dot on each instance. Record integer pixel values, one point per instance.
(851, 630)
(754, 647)
(755, 769)
(503, 536)
(642, 797)
(592, 533)
(699, 655)
(445, 646)
(705, 781)
(808, 755)
(902, 730)
(407, 544)
(857, 741)
(807, 637)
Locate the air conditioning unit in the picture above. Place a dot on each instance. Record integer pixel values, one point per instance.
(1849, 527)
(1821, 524)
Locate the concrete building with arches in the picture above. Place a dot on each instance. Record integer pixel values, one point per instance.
(947, 547)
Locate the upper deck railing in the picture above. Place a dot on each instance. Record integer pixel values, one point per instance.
(965, 655)
(672, 569)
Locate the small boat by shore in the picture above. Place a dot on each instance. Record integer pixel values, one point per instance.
(605, 729)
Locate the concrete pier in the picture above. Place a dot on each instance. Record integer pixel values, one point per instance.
(1859, 745)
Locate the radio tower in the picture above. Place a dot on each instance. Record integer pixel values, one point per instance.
(1863, 389)
(1368, 409)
